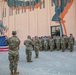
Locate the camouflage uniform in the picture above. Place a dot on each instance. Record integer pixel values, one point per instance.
(40, 39)
(63, 44)
(71, 43)
(13, 44)
(58, 43)
(36, 46)
(45, 44)
(28, 43)
(42, 44)
(51, 44)
(66, 41)
(54, 37)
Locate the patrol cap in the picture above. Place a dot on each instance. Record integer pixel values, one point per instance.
(13, 32)
(29, 37)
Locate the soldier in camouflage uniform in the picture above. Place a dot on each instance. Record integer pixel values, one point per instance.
(45, 44)
(28, 44)
(66, 41)
(63, 44)
(40, 39)
(42, 43)
(54, 37)
(51, 43)
(71, 42)
(36, 46)
(13, 43)
(58, 43)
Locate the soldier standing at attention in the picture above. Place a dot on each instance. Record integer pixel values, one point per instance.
(54, 37)
(66, 41)
(29, 47)
(45, 44)
(51, 43)
(71, 42)
(63, 43)
(36, 46)
(58, 42)
(13, 43)
(40, 39)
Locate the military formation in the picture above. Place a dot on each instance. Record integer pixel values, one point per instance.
(36, 44)
(53, 43)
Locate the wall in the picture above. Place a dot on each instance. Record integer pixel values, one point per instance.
(69, 18)
(37, 22)
(33, 23)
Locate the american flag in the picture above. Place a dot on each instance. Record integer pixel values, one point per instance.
(3, 46)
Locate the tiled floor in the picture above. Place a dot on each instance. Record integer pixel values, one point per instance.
(48, 63)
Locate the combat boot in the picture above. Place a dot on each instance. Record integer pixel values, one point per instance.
(36, 56)
(27, 60)
(15, 72)
(63, 50)
(30, 61)
(71, 50)
(11, 72)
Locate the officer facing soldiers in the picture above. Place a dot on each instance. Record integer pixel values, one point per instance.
(28, 43)
(71, 42)
(13, 43)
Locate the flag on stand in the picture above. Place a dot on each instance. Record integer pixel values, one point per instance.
(3, 46)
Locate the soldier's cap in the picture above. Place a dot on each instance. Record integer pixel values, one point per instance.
(29, 37)
(13, 32)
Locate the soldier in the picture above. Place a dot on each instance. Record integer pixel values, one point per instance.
(13, 43)
(58, 43)
(66, 41)
(63, 44)
(40, 39)
(45, 44)
(71, 42)
(33, 42)
(54, 37)
(28, 43)
(42, 42)
(36, 46)
(51, 43)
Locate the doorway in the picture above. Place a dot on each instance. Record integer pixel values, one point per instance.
(55, 30)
